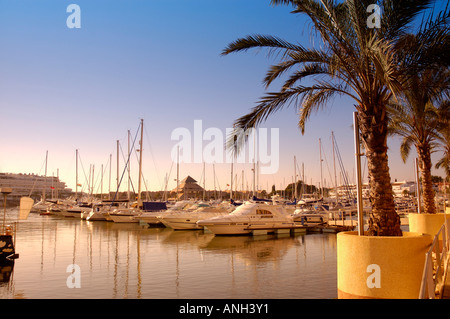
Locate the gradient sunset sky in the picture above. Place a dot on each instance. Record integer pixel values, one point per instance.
(64, 89)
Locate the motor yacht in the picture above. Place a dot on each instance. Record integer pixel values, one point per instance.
(310, 216)
(187, 219)
(249, 217)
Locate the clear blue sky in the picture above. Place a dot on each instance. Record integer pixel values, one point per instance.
(63, 89)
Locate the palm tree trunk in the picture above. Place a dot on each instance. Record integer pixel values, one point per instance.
(424, 154)
(384, 221)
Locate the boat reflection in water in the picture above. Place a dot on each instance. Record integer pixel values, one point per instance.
(6, 270)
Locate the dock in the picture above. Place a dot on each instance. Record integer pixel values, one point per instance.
(301, 229)
(353, 223)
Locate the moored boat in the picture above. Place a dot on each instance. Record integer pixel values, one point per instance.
(187, 220)
(250, 217)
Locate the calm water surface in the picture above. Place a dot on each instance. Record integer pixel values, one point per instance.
(132, 261)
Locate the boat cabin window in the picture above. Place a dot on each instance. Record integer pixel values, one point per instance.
(264, 213)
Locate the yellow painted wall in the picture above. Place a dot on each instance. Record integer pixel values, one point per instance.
(400, 261)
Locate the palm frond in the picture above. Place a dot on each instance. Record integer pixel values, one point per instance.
(273, 44)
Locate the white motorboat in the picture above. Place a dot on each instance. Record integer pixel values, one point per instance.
(310, 216)
(250, 217)
(187, 219)
(152, 217)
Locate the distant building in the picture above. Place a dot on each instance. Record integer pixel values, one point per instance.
(188, 188)
(403, 187)
(34, 186)
(398, 189)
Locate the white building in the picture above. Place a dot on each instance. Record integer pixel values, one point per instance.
(398, 188)
(34, 186)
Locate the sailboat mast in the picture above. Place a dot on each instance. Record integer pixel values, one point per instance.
(178, 169)
(295, 177)
(117, 173)
(76, 174)
(140, 162)
(45, 184)
(109, 181)
(101, 185)
(204, 180)
(128, 167)
(334, 165)
(231, 185)
(320, 159)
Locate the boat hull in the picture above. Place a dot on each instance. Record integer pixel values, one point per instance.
(75, 214)
(96, 216)
(227, 229)
(119, 218)
(181, 223)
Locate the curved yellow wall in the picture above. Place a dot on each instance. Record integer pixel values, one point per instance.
(426, 223)
(400, 262)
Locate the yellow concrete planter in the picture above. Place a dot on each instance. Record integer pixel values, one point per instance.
(380, 267)
(426, 223)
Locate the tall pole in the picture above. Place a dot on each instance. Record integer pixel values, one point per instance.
(295, 178)
(109, 181)
(45, 183)
(334, 166)
(76, 175)
(117, 173)
(140, 163)
(358, 175)
(231, 185)
(101, 185)
(204, 181)
(321, 160)
(178, 169)
(419, 199)
(92, 191)
(242, 187)
(128, 166)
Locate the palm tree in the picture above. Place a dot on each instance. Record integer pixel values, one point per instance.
(420, 122)
(353, 60)
(444, 139)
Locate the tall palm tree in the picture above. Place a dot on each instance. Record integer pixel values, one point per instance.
(444, 140)
(420, 122)
(353, 60)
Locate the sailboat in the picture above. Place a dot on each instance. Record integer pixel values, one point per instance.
(131, 214)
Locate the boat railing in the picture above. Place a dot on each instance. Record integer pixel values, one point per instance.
(436, 264)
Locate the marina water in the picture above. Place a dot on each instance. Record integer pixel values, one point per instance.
(134, 261)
